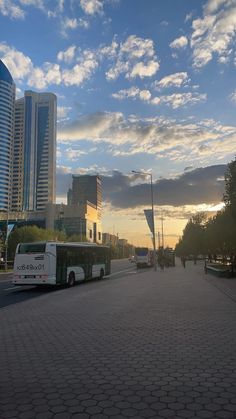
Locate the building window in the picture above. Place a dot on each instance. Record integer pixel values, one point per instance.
(90, 234)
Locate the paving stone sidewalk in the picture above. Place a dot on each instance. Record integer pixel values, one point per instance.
(149, 345)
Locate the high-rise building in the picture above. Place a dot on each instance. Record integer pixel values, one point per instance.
(34, 155)
(87, 188)
(7, 101)
(18, 162)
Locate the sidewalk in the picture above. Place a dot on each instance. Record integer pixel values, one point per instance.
(149, 345)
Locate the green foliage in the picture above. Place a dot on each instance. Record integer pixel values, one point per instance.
(77, 238)
(221, 233)
(230, 188)
(193, 240)
(31, 234)
(218, 234)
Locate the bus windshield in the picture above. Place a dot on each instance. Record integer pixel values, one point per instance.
(141, 251)
(31, 248)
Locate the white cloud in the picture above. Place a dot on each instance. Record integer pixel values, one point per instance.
(92, 7)
(109, 51)
(18, 64)
(137, 47)
(159, 136)
(73, 154)
(173, 80)
(40, 78)
(180, 42)
(62, 111)
(177, 100)
(233, 97)
(133, 92)
(214, 33)
(144, 70)
(11, 9)
(71, 23)
(87, 63)
(134, 58)
(68, 55)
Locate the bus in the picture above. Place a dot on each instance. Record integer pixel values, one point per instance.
(144, 257)
(54, 263)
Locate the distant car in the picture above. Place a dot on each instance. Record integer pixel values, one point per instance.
(132, 259)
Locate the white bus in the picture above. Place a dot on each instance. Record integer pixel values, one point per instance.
(54, 263)
(144, 257)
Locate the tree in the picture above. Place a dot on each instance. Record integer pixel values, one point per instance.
(192, 242)
(230, 187)
(30, 234)
(77, 238)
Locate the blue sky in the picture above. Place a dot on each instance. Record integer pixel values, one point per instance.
(143, 85)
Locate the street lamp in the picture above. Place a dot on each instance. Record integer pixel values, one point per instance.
(153, 223)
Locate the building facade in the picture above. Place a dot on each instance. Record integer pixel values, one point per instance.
(18, 162)
(86, 188)
(39, 151)
(7, 101)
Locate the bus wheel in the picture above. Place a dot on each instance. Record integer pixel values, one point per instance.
(101, 274)
(71, 280)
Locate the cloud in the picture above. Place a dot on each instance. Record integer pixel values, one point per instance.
(11, 9)
(214, 33)
(144, 70)
(134, 58)
(192, 188)
(173, 80)
(159, 137)
(232, 97)
(87, 64)
(18, 64)
(22, 68)
(62, 111)
(200, 186)
(72, 24)
(176, 100)
(40, 78)
(15, 9)
(133, 92)
(179, 43)
(92, 7)
(68, 55)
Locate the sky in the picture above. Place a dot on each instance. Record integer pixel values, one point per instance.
(143, 85)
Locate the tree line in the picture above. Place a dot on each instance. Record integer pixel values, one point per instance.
(215, 235)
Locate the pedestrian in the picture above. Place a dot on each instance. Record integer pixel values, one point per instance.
(183, 260)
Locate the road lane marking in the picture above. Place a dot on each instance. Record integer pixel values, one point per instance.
(11, 288)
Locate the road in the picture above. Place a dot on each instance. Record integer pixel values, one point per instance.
(10, 294)
(143, 344)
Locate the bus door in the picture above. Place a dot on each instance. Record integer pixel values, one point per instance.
(61, 272)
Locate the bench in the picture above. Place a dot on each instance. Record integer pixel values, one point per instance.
(226, 272)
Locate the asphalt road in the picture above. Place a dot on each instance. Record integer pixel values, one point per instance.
(141, 345)
(11, 294)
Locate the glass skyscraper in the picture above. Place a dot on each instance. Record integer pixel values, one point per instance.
(7, 104)
(34, 155)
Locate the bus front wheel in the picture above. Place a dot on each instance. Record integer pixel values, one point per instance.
(71, 280)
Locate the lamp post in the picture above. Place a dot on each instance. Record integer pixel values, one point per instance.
(153, 222)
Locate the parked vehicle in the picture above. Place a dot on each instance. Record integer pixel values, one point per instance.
(144, 257)
(52, 263)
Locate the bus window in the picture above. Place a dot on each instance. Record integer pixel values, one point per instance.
(31, 248)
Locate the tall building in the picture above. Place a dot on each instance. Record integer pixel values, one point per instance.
(34, 155)
(86, 188)
(18, 162)
(7, 101)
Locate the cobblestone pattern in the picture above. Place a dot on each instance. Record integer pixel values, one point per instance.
(151, 345)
